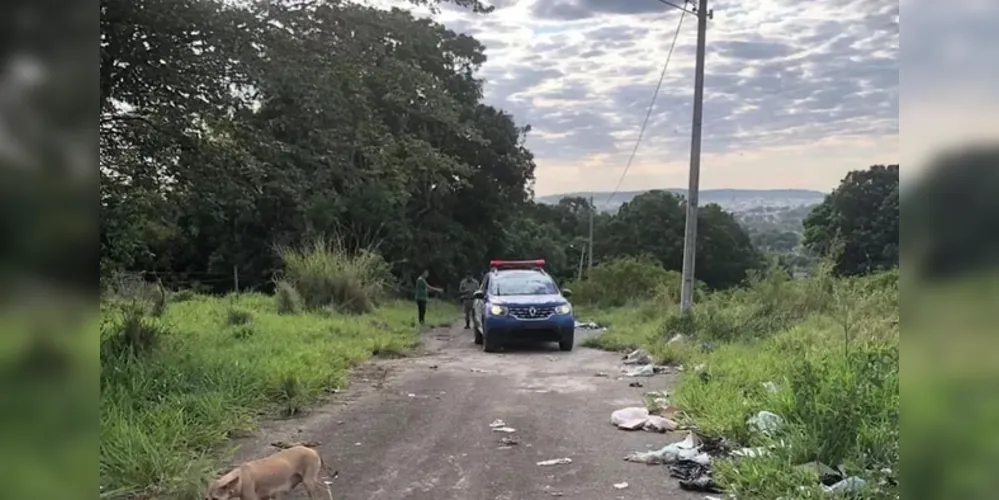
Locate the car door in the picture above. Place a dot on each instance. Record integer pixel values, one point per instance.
(479, 305)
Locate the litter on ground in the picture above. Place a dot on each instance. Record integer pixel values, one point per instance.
(766, 422)
(621, 485)
(688, 449)
(555, 461)
(637, 357)
(694, 476)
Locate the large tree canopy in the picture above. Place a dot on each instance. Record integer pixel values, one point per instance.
(230, 128)
(857, 224)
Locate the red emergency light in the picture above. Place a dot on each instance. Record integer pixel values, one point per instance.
(516, 264)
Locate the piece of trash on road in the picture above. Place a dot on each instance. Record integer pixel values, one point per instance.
(694, 476)
(621, 485)
(629, 416)
(641, 371)
(497, 423)
(477, 370)
(655, 423)
(411, 395)
(688, 449)
(507, 430)
(506, 443)
(588, 325)
(636, 384)
(555, 461)
(601, 374)
(637, 357)
(766, 422)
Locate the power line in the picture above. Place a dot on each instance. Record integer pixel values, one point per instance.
(652, 104)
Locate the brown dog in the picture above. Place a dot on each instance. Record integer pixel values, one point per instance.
(268, 477)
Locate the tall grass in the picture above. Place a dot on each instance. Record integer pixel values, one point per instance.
(176, 388)
(627, 281)
(831, 348)
(327, 274)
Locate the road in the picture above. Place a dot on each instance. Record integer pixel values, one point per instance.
(419, 427)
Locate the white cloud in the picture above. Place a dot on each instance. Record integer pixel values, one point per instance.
(797, 93)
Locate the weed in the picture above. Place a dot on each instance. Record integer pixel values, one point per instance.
(236, 316)
(328, 274)
(167, 415)
(287, 298)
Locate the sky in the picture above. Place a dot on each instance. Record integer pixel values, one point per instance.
(797, 92)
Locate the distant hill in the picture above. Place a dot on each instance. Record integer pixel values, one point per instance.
(733, 200)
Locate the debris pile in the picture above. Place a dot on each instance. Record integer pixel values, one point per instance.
(638, 363)
(638, 418)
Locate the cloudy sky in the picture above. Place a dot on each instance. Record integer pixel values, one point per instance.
(797, 92)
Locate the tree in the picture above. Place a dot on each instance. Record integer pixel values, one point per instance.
(952, 212)
(858, 223)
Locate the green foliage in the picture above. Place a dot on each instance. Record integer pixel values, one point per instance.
(617, 282)
(831, 348)
(858, 224)
(327, 274)
(287, 298)
(167, 417)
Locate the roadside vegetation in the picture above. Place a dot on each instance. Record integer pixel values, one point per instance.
(183, 373)
(821, 352)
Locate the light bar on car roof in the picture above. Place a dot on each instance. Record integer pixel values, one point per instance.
(516, 264)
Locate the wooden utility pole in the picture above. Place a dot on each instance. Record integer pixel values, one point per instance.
(690, 231)
(589, 252)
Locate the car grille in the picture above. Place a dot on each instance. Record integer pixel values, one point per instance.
(529, 312)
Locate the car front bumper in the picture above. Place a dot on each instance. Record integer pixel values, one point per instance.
(552, 328)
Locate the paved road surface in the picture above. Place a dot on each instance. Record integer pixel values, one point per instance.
(418, 428)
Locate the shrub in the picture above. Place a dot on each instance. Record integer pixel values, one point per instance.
(131, 333)
(289, 301)
(621, 281)
(237, 316)
(328, 274)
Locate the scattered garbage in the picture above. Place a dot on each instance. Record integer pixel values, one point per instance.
(766, 422)
(751, 452)
(659, 399)
(620, 486)
(507, 443)
(655, 423)
(630, 418)
(822, 472)
(641, 371)
(555, 461)
(588, 325)
(635, 384)
(637, 357)
(852, 484)
(694, 476)
(500, 426)
(770, 387)
(688, 449)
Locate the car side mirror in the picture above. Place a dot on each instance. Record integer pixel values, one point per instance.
(566, 293)
(478, 295)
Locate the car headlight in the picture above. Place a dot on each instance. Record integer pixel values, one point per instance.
(564, 309)
(497, 310)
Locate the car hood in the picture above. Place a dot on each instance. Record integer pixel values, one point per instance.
(527, 300)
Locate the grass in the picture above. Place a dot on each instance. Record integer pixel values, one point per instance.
(208, 368)
(831, 348)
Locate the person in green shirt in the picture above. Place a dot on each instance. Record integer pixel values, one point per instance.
(422, 287)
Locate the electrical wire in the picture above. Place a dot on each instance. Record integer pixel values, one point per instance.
(652, 105)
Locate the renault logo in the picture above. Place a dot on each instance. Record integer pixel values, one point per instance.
(533, 311)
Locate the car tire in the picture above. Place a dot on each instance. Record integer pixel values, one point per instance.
(567, 341)
(478, 336)
(490, 343)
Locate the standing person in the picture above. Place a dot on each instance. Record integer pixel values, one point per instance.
(421, 295)
(467, 288)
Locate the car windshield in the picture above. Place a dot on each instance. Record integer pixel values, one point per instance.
(529, 283)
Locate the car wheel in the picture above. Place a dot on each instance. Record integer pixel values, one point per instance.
(567, 341)
(491, 343)
(478, 336)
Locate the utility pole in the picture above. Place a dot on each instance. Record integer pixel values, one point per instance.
(690, 231)
(589, 253)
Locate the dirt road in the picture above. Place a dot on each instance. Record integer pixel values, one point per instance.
(419, 428)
